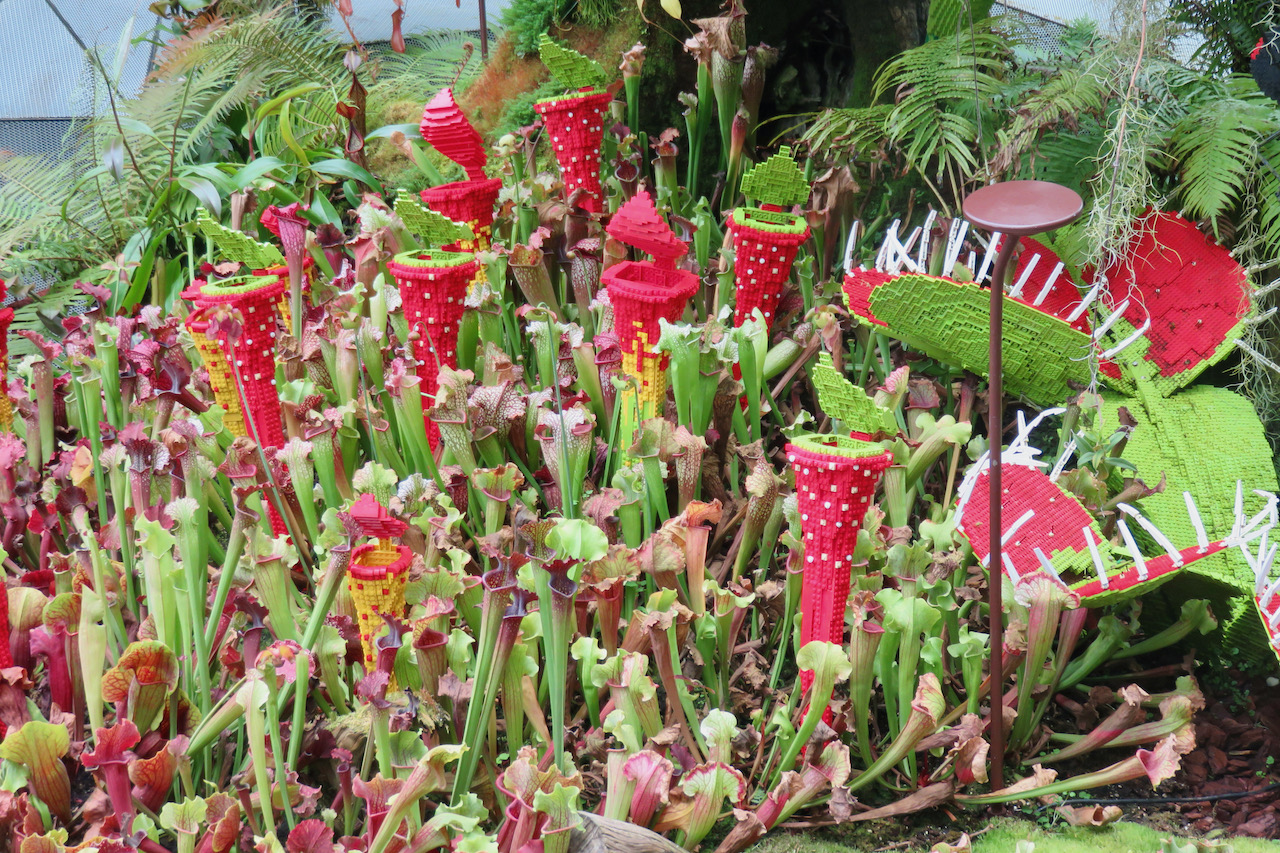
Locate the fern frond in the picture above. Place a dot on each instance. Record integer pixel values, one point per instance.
(848, 132)
(1066, 155)
(1215, 148)
(1067, 97)
(430, 63)
(945, 82)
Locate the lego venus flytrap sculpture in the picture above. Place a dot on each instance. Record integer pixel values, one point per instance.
(1266, 589)
(1046, 531)
(1184, 303)
(471, 202)
(433, 284)
(642, 293)
(378, 572)
(766, 238)
(1176, 303)
(575, 122)
(948, 318)
(836, 478)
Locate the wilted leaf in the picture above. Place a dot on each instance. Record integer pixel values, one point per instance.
(1090, 815)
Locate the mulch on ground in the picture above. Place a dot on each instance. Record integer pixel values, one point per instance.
(1237, 750)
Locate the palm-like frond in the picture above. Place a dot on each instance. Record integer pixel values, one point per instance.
(944, 83)
(1229, 27)
(1066, 154)
(848, 131)
(1266, 201)
(1215, 147)
(430, 62)
(1068, 97)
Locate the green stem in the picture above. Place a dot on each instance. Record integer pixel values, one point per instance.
(277, 751)
(235, 547)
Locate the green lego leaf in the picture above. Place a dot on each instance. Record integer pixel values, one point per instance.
(434, 228)
(777, 180)
(841, 399)
(1203, 440)
(570, 68)
(235, 246)
(949, 320)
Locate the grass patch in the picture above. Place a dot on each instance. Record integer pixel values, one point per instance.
(1005, 833)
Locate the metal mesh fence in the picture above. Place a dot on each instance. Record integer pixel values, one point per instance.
(49, 80)
(1035, 31)
(372, 18)
(1041, 23)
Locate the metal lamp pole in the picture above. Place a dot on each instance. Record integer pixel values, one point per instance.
(1016, 209)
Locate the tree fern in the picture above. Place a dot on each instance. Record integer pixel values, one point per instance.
(431, 62)
(1065, 155)
(1068, 97)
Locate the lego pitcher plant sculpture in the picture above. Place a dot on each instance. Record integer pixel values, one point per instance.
(643, 293)
(575, 121)
(433, 284)
(472, 201)
(767, 238)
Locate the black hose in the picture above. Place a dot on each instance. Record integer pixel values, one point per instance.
(1151, 801)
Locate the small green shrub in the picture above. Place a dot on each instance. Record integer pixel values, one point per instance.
(519, 111)
(527, 20)
(597, 13)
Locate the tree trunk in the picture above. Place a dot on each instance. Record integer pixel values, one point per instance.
(878, 31)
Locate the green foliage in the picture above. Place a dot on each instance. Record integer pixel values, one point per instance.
(527, 21)
(596, 13)
(1092, 116)
(519, 111)
(1215, 145)
(849, 132)
(1230, 28)
(951, 80)
(946, 15)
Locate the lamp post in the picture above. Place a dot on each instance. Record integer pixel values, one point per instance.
(1015, 209)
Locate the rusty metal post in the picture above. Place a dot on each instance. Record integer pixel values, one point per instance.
(1016, 209)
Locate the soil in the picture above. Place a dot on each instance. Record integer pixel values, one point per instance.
(1237, 750)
